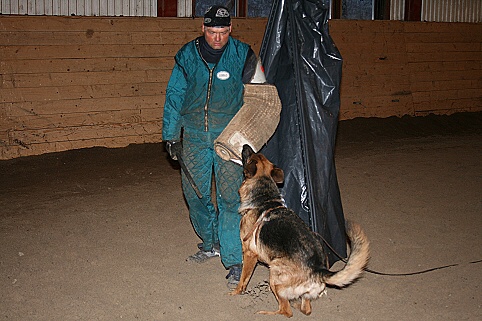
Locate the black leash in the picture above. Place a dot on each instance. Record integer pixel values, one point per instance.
(391, 274)
(417, 272)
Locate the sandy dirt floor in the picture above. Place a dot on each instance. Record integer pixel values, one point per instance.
(102, 234)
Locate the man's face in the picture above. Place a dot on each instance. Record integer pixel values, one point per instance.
(216, 37)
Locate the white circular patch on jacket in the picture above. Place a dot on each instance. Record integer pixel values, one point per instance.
(223, 75)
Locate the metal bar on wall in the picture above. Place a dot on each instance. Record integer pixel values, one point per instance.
(452, 10)
(441, 10)
(184, 8)
(146, 8)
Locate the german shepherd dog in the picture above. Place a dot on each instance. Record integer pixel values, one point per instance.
(275, 235)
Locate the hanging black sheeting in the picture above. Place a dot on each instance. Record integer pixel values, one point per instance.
(301, 60)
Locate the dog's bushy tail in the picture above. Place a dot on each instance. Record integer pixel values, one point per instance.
(360, 252)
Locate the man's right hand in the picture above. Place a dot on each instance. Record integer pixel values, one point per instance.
(174, 148)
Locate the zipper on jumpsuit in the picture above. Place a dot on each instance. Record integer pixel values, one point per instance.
(208, 96)
(210, 83)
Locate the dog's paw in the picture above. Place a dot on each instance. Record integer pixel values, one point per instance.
(287, 314)
(235, 292)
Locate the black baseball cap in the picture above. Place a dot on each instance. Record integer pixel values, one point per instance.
(217, 16)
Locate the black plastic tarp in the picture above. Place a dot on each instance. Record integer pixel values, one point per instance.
(301, 60)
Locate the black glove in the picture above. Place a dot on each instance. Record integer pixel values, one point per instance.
(174, 148)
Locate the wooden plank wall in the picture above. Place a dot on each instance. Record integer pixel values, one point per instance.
(445, 66)
(79, 82)
(396, 68)
(375, 76)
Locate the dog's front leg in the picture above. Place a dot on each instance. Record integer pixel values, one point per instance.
(249, 263)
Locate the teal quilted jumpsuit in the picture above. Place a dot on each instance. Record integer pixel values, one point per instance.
(201, 99)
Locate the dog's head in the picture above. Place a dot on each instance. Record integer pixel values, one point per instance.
(257, 165)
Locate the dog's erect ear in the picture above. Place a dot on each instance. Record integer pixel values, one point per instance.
(250, 168)
(278, 175)
(246, 153)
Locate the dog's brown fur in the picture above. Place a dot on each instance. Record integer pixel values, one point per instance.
(275, 235)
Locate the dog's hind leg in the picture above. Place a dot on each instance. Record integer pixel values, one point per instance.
(284, 307)
(305, 307)
(249, 263)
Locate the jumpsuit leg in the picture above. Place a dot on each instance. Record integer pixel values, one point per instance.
(228, 176)
(198, 157)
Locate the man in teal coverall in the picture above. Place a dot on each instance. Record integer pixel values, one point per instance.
(204, 92)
